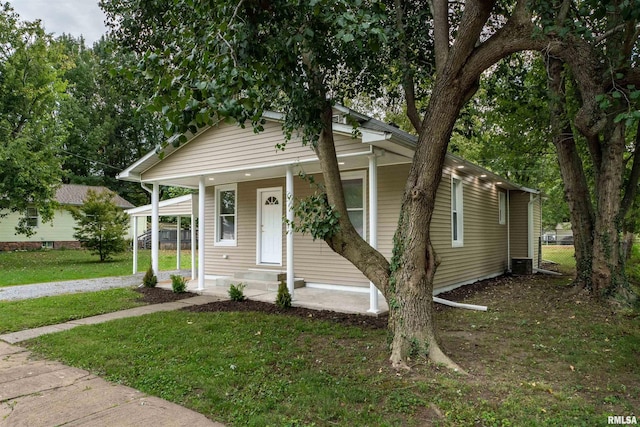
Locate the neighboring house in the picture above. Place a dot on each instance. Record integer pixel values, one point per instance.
(57, 233)
(480, 223)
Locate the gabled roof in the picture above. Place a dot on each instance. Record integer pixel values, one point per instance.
(372, 131)
(74, 194)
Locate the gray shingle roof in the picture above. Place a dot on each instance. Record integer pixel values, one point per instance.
(74, 194)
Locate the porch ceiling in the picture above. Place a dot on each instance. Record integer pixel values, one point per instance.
(178, 206)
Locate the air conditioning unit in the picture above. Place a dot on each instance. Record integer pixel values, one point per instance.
(521, 266)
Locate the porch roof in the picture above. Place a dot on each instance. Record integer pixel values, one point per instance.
(178, 206)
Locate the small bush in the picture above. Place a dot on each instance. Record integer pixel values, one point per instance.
(178, 283)
(150, 280)
(283, 300)
(236, 292)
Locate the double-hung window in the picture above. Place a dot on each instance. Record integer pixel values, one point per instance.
(354, 191)
(226, 215)
(32, 217)
(457, 215)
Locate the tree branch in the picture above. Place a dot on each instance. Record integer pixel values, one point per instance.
(440, 12)
(408, 83)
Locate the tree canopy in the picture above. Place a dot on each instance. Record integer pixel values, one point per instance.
(31, 132)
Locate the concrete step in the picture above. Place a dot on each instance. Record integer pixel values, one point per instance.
(261, 275)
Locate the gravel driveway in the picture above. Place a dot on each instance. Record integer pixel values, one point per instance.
(85, 285)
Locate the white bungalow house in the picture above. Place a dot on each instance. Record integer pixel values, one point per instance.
(59, 232)
(246, 187)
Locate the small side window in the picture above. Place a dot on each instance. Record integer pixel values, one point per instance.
(457, 215)
(502, 208)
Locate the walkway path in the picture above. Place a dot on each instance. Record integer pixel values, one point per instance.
(84, 285)
(43, 393)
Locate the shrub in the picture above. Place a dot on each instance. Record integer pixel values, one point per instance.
(101, 226)
(236, 292)
(283, 300)
(178, 283)
(150, 280)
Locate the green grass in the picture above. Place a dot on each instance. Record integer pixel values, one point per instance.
(561, 255)
(537, 357)
(20, 268)
(32, 313)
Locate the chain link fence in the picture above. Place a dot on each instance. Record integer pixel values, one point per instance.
(558, 254)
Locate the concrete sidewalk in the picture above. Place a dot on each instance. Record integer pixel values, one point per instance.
(45, 393)
(16, 337)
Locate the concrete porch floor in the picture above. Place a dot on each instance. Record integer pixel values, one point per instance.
(314, 298)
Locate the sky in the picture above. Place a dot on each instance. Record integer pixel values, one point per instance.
(75, 17)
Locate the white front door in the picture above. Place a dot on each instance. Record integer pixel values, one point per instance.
(270, 226)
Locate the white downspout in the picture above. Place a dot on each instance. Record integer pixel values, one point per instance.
(290, 217)
(201, 245)
(373, 225)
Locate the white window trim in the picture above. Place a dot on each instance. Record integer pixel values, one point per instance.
(460, 211)
(502, 208)
(362, 174)
(259, 222)
(226, 242)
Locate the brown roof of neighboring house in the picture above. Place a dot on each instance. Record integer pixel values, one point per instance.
(74, 194)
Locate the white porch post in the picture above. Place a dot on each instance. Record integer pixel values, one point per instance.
(289, 196)
(135, 244)
(193, 238)
(201, 245)
(373, 225)
(155, 226)
(178, 243)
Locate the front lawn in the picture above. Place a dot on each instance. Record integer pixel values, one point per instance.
(21, 268)
(33, 313)
(538, 357)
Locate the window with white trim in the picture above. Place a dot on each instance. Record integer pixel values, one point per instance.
(32, 217)
(226, 215)
(502, 208)
(353, 185)
(457, 215)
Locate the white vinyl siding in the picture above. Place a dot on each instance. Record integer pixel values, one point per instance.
(484, 252)
(228, 147)
(485, 249)
(519, 223)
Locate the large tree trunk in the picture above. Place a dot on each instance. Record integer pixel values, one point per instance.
(576, 189)
(608, 265)
(414, 261)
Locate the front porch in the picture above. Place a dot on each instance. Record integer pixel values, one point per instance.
(340, 301)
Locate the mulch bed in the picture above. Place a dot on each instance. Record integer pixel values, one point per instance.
(158, 295)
